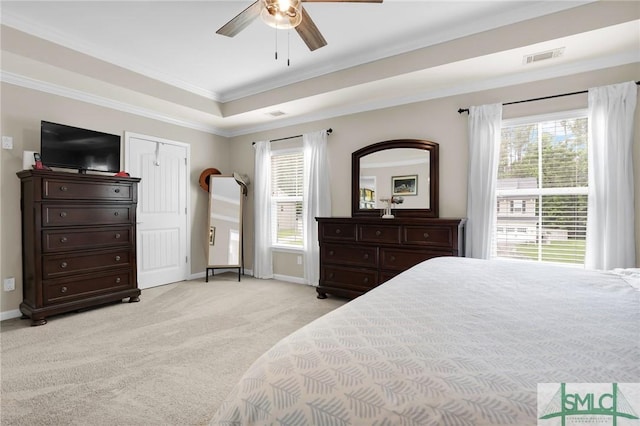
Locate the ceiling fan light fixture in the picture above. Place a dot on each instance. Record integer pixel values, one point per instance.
(282, 14)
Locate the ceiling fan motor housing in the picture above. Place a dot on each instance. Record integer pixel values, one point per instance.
(283, 14)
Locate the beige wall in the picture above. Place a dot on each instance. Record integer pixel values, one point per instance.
(22, 111)
(435, 120)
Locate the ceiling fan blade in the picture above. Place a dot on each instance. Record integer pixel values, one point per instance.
(342, 1)
(309, 33)
(241, 21)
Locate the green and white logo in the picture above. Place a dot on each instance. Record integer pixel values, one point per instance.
(588, 404)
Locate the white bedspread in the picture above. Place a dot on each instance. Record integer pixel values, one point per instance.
(452, 341)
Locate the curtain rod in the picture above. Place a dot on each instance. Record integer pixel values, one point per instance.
(329, 130)
(461, 110)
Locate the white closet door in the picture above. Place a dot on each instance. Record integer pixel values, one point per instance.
(162, 208)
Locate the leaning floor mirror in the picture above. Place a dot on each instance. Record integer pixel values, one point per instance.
(224, 239)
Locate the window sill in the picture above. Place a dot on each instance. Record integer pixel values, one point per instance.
(287, 249)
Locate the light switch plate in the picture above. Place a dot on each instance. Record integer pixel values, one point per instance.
(9, 284)
(7, 142)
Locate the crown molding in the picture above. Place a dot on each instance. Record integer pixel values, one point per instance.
(505, 81)
(54, 89)
(494, 83)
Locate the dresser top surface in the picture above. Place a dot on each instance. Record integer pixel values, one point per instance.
(394, 221)
(80, 177)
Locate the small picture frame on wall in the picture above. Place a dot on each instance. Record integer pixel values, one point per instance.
(404, 185)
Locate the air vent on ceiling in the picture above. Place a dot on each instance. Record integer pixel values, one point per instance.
(276, 113)
(542, 56)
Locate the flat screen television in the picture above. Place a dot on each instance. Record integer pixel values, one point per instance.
(80, 149)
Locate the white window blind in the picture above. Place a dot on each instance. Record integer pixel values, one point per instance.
(286, 198)
(542, 190)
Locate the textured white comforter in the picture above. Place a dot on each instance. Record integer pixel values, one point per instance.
(452, 341)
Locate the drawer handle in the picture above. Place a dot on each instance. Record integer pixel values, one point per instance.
(365, 280)
(425, 235)
(331, 253)
(117, 190)
(63, 265)
(64, 188)
(63, 214)
(366, 256)
(393, 258)
(338, 231)
(117, 258)
(118, 280)
(63, 240)
(117, 236)
(378, 233)
(116, 213)
(330, 275)
(63, 290)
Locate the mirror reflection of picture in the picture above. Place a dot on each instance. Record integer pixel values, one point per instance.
(404, 185)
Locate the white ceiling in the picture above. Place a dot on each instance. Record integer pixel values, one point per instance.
(226, 85)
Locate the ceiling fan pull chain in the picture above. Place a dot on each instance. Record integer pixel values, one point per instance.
(276, 33)
(288, 46)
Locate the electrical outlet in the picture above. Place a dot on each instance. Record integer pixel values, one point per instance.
(7, 142)
(9, 284)
(299, 260)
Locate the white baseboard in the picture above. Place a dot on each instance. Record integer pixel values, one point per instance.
(196, 276)
(249, 272)
(290, 279)
(199, 275)
(10, 314)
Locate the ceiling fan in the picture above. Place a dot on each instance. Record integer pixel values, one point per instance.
(283, 14)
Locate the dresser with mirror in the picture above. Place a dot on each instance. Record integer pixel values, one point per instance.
(394, 221)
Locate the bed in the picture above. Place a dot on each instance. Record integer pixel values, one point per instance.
(450, 341)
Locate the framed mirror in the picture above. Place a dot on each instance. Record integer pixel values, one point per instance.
(224, 234)
(402, 174)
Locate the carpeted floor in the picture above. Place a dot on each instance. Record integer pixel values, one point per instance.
(169, 360)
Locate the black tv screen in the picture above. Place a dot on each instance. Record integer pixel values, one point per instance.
(81, 149)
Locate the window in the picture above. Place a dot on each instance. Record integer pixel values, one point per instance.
(286, 197)
(542, 189)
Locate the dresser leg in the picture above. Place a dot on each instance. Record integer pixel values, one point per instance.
(321, 294)
(36, 322)
(134, 299)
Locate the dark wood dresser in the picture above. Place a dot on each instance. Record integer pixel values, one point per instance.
(358, 254)
(78, 241)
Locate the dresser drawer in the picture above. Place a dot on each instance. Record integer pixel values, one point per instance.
(437, 236)
(389, 234)
(60, 189)
(349, 255)
(60, 291)
(337, 231)
(399, 260)
(348, 278)
(71, 215)
(75, 239)
(66, 264)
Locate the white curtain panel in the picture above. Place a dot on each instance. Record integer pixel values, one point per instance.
(262, 255)
(317, 199)
(484, 150)
(610, 214)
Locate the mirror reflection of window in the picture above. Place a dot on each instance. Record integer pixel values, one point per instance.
(367, 192)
